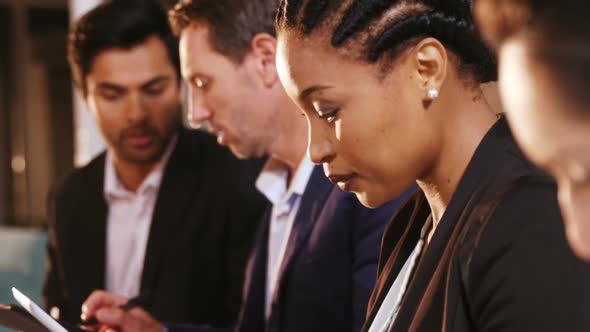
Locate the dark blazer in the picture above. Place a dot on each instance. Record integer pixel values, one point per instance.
(203, 225)
(499, 260)
(329, 268)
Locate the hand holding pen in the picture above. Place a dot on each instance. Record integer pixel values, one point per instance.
(110, 312)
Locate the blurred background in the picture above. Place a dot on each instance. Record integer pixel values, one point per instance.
(44, 130)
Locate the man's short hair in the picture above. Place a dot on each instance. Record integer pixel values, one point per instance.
(232, 24)
(117, 24)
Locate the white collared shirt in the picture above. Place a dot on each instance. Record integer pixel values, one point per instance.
(272, 182)
(390, 306)
(128, 225)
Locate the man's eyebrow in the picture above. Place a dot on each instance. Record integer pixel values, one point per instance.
(156, 80)
(111, 86)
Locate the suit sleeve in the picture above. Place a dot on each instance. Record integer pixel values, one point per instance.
(367, 232)
(52, 288)
(524, 276)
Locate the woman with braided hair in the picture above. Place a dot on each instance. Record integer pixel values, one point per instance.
(391, 93)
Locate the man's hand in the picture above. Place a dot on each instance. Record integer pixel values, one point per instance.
(105, 308)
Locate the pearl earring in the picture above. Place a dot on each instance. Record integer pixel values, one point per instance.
(432, 94)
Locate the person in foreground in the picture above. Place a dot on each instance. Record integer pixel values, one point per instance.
(544, 75)
(165, 213)
(314, 264)
(391, 93)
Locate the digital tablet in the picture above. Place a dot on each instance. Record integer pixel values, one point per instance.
(39, 314)
(16, 318)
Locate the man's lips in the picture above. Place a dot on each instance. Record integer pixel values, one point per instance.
(221, 137)
(140, 141)
(219, 132)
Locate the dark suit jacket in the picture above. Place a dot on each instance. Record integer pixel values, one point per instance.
(203, 225)
(329, 268)
(499, 260)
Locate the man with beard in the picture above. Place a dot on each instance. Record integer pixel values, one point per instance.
(165, 214)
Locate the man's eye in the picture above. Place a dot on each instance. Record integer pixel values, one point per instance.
(110, 95)
(154, 91)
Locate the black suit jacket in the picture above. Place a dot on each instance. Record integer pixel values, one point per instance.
(498, 261)
(202, 229)
(329, 267)
(328, 270)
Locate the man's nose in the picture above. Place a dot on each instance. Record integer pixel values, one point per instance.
(198, 112)
(136, 110)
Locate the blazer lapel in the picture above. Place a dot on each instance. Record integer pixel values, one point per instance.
(313, 199)
(431, 272)
(252, 314)
(88, 232)
(174, 197)
(398, 242)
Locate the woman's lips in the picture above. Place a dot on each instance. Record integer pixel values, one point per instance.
(343, 180)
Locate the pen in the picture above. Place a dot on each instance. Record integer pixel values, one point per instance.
(130, 304)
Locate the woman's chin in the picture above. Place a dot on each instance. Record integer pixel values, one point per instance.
(371, 200)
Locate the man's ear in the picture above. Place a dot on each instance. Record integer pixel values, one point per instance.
(431, 61)
(264, 51)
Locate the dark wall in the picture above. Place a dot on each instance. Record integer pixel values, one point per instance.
(48, 29)
(6, 199)
(22, 196)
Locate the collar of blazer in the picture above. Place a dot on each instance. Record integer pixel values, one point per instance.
(180, 181)
(312, 202)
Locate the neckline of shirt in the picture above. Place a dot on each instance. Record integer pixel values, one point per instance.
(113, 188)
(272, 181)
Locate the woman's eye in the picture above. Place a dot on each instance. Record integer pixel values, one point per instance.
(330, 115)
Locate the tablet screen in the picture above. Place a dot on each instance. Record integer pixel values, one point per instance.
(37, 312)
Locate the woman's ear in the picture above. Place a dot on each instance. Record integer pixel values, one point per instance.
(264, 51)
(431, 61)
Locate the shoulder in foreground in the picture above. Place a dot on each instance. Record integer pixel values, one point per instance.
(527, 215)
(199, 151)
(529, 201)
(82, 175)
(195, 145)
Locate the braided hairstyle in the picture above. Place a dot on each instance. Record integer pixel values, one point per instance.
(375, 27)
